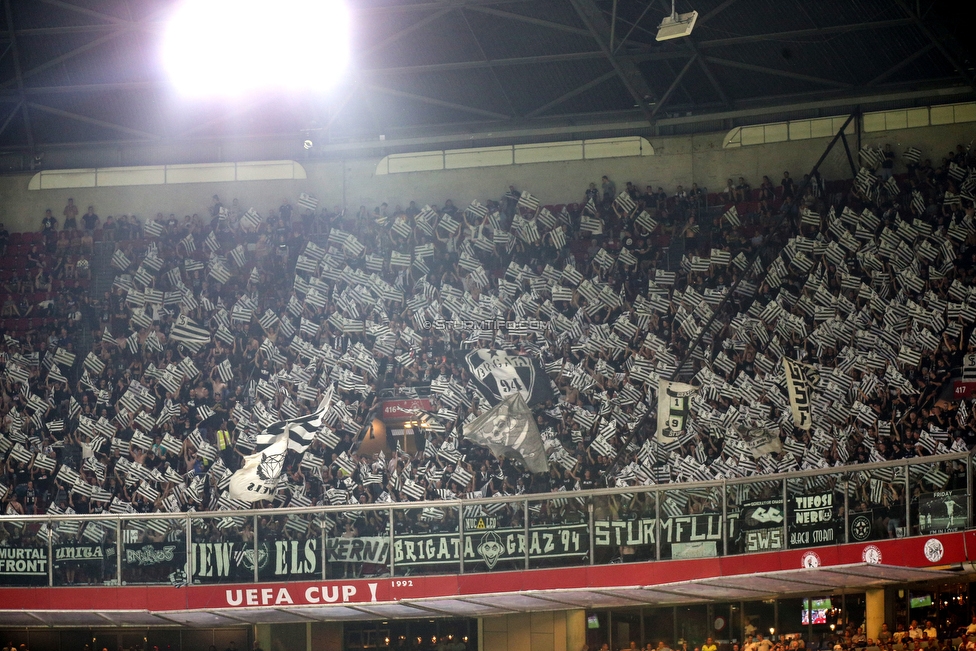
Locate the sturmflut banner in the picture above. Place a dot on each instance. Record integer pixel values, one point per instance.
(673, 407)
(801, 393)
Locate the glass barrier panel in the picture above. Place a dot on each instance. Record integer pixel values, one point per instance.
(876, 504)
(84, 552)
(815, 511)
(357, 543)
(24, 558)
(222, 549)
(756, 515)
(691, 523)
(489, 531)
(289, 548)
(154, 551)
(940, 500)
(427, 541)
(624, 527)
(559, 532)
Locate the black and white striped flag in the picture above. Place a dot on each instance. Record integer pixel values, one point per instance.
(120, 261)
(308, 202)
(189, 244)
(732, 216)
(625, 203)
(187, 331)
(912, 156)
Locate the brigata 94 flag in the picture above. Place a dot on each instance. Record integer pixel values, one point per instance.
(499, 375)
(673, 408)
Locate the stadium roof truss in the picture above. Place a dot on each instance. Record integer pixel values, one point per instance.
(81, 72)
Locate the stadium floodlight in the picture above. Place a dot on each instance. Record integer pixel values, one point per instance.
(237, 47)
(676, 25)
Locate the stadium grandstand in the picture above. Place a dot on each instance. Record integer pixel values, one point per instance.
(549, 325)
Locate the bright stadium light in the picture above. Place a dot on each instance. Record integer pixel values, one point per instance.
(235, 47)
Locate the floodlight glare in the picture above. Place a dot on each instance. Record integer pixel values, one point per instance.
(235, 47)
(676, 25)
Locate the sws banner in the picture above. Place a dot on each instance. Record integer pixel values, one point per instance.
(498, 375)
(761, 522)
(492, 547)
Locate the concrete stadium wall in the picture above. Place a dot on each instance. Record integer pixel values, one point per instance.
(353, 182)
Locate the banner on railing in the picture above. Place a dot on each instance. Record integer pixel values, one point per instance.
(761, 522)
(942, 511)
(278, 559)
(812, 520)
(374, 550)
(68, 555)
(23, 565)
(674, 530)
(492, 547)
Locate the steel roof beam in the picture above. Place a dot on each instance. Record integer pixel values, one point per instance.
(396, 36)
(625, 67)
(88, 120)
(949, 56)
(901, 64)
(779, 73)
(437, 102)
(548, 24)
(805, 33)
(522, 61)
(19, 77)
(124, 28)
(83, 10)
(573, 93)
(673, 87)
(491, 68)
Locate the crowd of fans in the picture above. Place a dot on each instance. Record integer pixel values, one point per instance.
(870, 280)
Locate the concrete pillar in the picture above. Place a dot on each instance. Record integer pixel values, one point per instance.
(545, 631)
(575, 629)
(262, 634)
(875, 611)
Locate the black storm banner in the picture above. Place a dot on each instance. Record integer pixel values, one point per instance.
(812, 520)
(499, 375)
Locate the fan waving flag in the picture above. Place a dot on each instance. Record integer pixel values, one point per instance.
(300, 431)
(187, 331)
(308, 202)
(509, 430)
